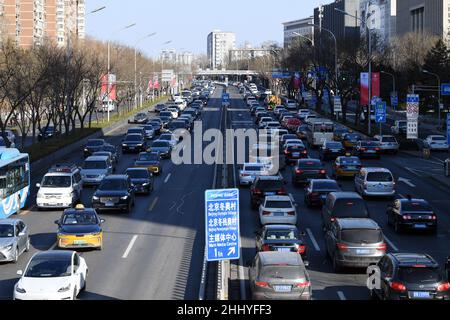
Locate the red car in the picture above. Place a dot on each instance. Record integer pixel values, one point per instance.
(292, 124)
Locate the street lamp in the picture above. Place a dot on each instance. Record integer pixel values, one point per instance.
(393, 79)
(302, 36)
(439, 93)
(370, 61)
(109, 59)
(96, 10)
(135, 64)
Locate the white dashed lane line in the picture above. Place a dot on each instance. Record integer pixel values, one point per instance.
(130, 246)
(167, 178)
(313, 240)
(341, 295)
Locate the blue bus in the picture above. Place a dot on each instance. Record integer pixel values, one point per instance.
(14, 181)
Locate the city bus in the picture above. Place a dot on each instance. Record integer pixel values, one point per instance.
(318, 131)
(14, 181)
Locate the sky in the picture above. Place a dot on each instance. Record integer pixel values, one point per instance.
(187, 23)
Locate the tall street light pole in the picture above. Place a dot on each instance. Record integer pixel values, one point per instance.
(369, 124)
(109, 60)
(393, 79)
(135, 64)
(439, 92)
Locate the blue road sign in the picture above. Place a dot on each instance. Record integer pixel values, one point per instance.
(394, 99)
(380, 112)
(281, 75)
(222, 224)
(445, 89)
(226, 97)
(448, 129)
(412, 98)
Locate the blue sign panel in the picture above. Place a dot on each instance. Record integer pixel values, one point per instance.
(445, 89)
(222, 224)
(380, 112)
(412, 98)
(225, 97)
(394, 99)
(448, 129)
(281, 75)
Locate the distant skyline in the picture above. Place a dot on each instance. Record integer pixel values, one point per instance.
(187, 23)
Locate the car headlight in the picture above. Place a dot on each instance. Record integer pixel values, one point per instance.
(124, 198)
(124, 145)
(95, 198)
(65, 289)
(8, 247)
(139, 145)
(86, 150)
(20, 290)
(145, 184)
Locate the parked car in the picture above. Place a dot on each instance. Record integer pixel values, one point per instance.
(47, 133)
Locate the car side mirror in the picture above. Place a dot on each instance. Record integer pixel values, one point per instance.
(306, 263)
(21, 234)
(38, 185)
(19, 272)
(102, 220)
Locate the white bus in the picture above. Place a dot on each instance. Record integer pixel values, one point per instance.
(318, 131)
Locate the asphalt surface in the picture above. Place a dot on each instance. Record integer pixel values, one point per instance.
(350, 284)
(156, 251)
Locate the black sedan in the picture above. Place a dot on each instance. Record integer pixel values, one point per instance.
(367, 148)
(47, 133)
(281, 238)
(114, 151)
(412, 214)
(308, 169)
(134, 143)
(160, 107)
(317, 190)
(115, 192)
(141, 179)
(331, 150)
(156, 124)
(139, 118)
(295, 152)
(162, 147)
(93, 145)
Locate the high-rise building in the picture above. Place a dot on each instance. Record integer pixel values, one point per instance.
(424, 16)
(185, 58)
(382, 20)
(169, 55)
(301, 27)
(33, 22)
(218, 46)
(343, 26)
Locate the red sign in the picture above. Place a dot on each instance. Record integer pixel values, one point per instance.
(108, 93)
(364, 90)
(156, 82)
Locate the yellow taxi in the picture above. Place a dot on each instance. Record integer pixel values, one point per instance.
(79, 228)
(346, 166)
(349, 140)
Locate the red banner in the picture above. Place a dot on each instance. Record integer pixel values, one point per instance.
(375, 84)
(156, 82)
(112, 90)
(364, 90)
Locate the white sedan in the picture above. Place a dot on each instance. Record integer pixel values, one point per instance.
(436, 142)
(52, 275)
(277, 210)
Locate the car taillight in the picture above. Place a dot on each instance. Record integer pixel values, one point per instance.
(433, 217)
(257, 191)
(266, 213)
(332, 219)
(244, 174)
(363, 149)
(314, 194)
(407, 217)
(286, 152)
(397, 286)
(301, 249)
(382, 247)
(281, 191)
(341, 246)
(322, 172)
(305, 151)
(266, 247)
(291, 213)
(262, 284)
(377, 149)
(298, 171)
(443, 287)
(302, 284)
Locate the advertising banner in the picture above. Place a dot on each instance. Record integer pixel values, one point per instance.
(112, 90)
(364, 90)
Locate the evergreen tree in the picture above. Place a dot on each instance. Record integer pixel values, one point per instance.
(437, 60)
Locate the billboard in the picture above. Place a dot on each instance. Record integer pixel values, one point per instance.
(167, 75)
(111, 91)
(364, 90)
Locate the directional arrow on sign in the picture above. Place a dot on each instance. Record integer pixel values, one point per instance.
(231, 251)
(407, 181)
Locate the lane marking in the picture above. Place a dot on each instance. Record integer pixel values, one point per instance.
(407, 181)
(153, 204)
(341, 295)
(130, 245)
(167, 178)
(313, 240)
(391, 244)
(401, 196)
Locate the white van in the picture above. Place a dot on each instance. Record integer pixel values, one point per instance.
(375, 182)
(60, 188)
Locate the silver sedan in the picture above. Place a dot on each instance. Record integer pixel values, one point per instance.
(14, 239)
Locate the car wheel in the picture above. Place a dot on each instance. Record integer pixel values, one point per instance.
(16, 255)
(27, 246)
(74, 297)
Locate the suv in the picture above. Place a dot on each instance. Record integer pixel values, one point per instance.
(265, 186)
(60, 188)
(411, 276)
(387, 143)
(375, 182)
(95, 168)
(307, 169)
(354, 243)
(92, 146)
(116, 192)
(411, 214)
(134, 143)
(343, 205)
(141, 179)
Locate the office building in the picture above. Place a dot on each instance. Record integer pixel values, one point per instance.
(301, 27)
(218, 46)
(382, 20)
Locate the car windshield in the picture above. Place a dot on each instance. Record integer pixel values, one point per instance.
(419, 275)
(289, 136)
(111, 149)
(79, 218)
(254, 168)
(138, 174)
(325, 186)
(49, 268)
(278, 204)
(95, 165)
(370, 144)
(56, 182)
(282, 272)
(354, 208)
(416, 206)
(352, 137)
(361, 235)
(290, 234)
(379, 176)
(159, 144)
(94, 143)
(133, 138)
(6, 231)
(166, 114)
(148, 157)
(113, 184)
(438, 139)
(139, 131)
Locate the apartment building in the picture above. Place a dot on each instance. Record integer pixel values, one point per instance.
(218, 46)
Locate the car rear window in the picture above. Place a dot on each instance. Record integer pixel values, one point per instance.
(438, 138)
(278, 204)
(361, 235)
(310, 164)
(416, 206)
(333, 145)
(269, 184)
(282, 272)
(325, 185)
(379, 176)
(419, 274)
(282, 234)
(388, 139)
(350, 208)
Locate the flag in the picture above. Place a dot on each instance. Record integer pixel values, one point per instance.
(112, 90)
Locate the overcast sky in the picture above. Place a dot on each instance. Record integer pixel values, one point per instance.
(187, 23)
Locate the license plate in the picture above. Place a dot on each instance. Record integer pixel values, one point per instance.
(270, 193)
(420, 226)
(323, 197)
(296, 154)
(278, 214)
(284, 249)
(79, 242)
(109, 204)
(362, 251)
(350, 168)
(420, 294)
(370, 151)
(282, 288)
